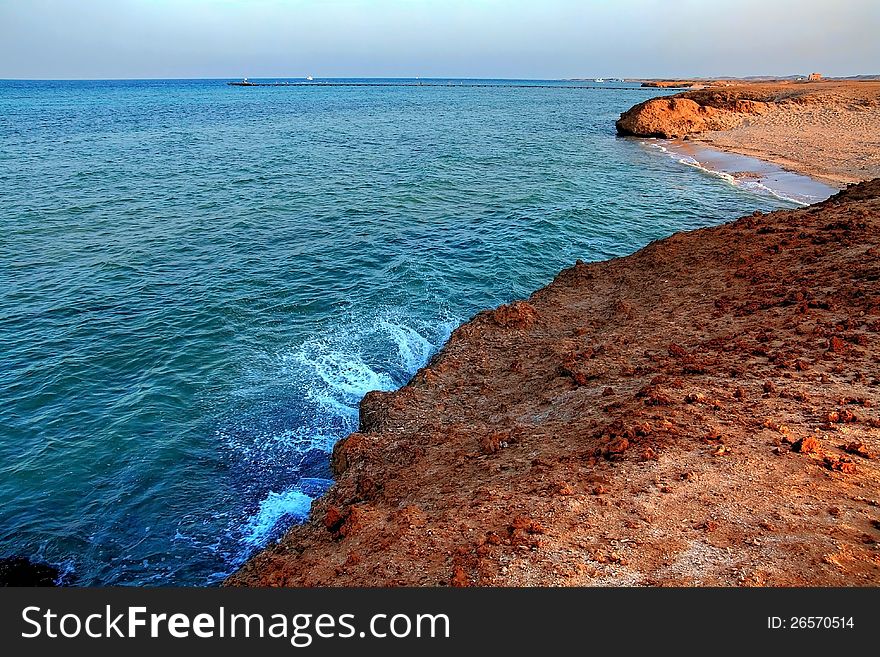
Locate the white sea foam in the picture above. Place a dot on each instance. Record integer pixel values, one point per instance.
(339, 375)
(341, 368)
(332, 374)
(756, 185)
(413, 349)
(293, 504)
(752, 185)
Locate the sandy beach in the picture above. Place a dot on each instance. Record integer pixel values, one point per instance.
(826, 130)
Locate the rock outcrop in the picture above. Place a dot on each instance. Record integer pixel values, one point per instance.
(668, 84)
(680, 115)
(669, 118)
(19, 571)
(702, 412)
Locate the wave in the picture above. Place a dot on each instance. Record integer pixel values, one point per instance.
(331, 374)
(755, 185)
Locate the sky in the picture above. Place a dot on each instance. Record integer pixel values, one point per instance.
(543, 39)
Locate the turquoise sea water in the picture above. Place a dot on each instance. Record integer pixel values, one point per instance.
(198, 283)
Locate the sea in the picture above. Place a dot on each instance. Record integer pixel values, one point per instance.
(199, 282)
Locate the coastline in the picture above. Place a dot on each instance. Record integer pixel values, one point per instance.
(289, 362)
(795, 166)
(595, 435)
(829, 131)
(747, 172)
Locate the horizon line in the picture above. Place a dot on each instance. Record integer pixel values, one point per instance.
(432, 77)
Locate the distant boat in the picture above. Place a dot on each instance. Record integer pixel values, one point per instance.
(309, 78)
(599, 80)
(244, 83)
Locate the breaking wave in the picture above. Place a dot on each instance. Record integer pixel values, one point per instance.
(756, 184)
(327, 376)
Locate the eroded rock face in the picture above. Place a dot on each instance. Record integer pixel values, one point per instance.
(673, 117)
(694, 112)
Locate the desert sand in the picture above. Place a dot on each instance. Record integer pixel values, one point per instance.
(702, 412)
(826, 130)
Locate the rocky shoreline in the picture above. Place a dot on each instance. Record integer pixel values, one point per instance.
(701, 412)
(21, 571)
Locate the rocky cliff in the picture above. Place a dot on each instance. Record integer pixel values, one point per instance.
(677, 116)
(702, 412)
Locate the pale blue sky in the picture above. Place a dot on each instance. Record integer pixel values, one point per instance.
(456, 38)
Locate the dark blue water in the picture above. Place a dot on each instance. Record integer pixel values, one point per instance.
(198, 283)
